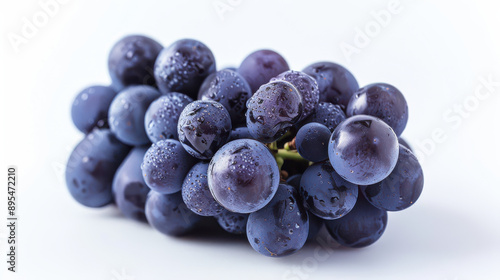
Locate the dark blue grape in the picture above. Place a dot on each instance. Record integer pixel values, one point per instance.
(294, 181)
(336, 84)
(312, 142)
(383, 101)
(327, 114)
(306, 86)
(163, 114)
(126, 114)
(90, 108)
(229, 89)
(401, 188)
(243, 176)
(315, 224)
(363, 150)
(281, 227)
(235, 223)
(196, 194)
(131, 61)
(361, 227)
(239, 133)
(91, 167)
(273, 110)
(325, 193)
(168, 214)
(165, 165)
(203, 128)
(129, 189)
(183, 66)
(260, 66)
(405, 143)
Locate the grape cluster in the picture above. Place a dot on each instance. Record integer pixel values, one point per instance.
(264, 151)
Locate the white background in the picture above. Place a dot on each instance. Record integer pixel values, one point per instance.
(435, 53)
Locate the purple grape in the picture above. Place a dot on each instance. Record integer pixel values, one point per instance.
(273, 110)
(235, 223)
(363, 150)
(312, 142)
(129, 189)
(281, 227)
(239, 133)
(401, 188)
(306, 86)
(131, 61)
(165, 166)
(325, 193)
(336, 84)
(243, 176)
(183, 66)
(163, 114)
(196, 194)
(260, 66)
(405, 144)
(203, 128)
(90, 108)
(229, 89)
(327, 114)
(383, 101)
(294, 181)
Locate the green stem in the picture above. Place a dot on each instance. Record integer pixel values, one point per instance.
(289, 155)
(280, 161)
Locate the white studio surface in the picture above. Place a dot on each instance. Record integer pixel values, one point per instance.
(443, 55)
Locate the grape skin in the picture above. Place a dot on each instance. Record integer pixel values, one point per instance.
(260, 66)
(327, 114)
(168, 214)
(281, 227)
(91, 167)
(241, 132)
(127, 111)
(235, 223)
(131, 61)
(90, 108)
(165, 166)
(196, 194)
(163, 114)
(363, 150)
(361, 227)
(383, 101)
(183, 66)
(312, 142)
(243, 176)
(325, 193)
(129, 189)
(203, 128)
(401, 188)
(405, 143)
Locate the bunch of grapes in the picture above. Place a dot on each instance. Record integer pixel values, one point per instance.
(267, 152)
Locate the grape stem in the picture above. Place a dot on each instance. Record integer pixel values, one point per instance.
(289, 155)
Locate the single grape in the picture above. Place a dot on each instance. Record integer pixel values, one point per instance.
(129, 189)
(294, 181)
(203, 128)
(229, 89)
(281, 227)
(363, 150)
(306, 86)
(91, 167)
(239, 133)
(168, 214)
(327, 114)
(243, 176)
(183, 66)
(196, 194)
(131, 61)
(361, 227)
(401, 188)
(405, 143)
(336, 84)
(273, 110)
(260, 66)
(165, 166)
(235, 223)
(126, 114)
(163, 114)
(325, 193)
(383, 101)
(312, 142)
(90, 108)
